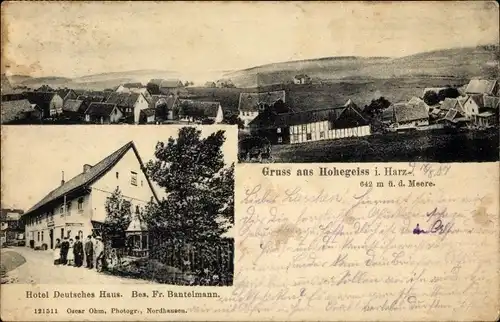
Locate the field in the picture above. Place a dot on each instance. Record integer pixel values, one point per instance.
(455, 62)
(422, 146)
(332, 93)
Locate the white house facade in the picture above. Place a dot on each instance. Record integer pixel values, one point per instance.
(77, 207)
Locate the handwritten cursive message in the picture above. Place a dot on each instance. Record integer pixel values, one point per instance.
(338, 248)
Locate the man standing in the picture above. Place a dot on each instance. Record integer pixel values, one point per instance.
(64, 251)
(89, 252)
(78, 252)
(99, 252)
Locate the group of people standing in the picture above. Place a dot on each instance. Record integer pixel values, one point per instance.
(67, 252)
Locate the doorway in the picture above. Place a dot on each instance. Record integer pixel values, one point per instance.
(51, 235)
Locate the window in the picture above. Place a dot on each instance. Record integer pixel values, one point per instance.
(280, 140)
(133, 178)
(68, 208)
(308, 136)
(69, 233)
(38, 236)
(117, 175)
(142, 183)
(62, 233)
(61, 210)
(80, 204)
(278, 130)
(322, 134)
(137, 209)
(80, 234)
(304, 128)
(42, 236)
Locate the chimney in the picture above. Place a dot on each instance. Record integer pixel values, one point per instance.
(86, 168)
(62, 178)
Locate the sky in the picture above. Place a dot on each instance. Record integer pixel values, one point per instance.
(33, 157)
(82, 38)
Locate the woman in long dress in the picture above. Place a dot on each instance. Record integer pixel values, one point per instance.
(57, 252)
(71, 255)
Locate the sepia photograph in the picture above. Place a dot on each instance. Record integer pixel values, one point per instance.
(145, 205)
(386, 95)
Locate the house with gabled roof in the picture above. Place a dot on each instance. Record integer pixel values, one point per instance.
(311, 125)
(50, 103)
(103, 113)
(74, 109)
(167, 106)
(194, 110)
(148, 116)
(301, 79)
(66, 94)
(19, 111)
(251, 104)
(131, 105)
(77, 206)
(409, 116)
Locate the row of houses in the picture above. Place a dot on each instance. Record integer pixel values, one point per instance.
(478, 106)
(128, 103)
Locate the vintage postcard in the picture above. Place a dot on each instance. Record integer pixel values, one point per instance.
(250, 161)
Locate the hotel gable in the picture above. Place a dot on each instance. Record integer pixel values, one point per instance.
(77, 206)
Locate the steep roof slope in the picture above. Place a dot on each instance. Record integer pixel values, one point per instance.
(87, 178)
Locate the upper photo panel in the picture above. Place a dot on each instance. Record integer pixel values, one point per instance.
(304, 82)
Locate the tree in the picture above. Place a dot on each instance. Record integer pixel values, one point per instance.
(234, 119)
(118, 218)
(376, 107)
(200, 203)
(153, 89)
(448, 92)
(431, 98)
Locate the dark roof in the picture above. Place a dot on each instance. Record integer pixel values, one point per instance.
(451, 114)
(72, 105)
(13, 110)
(448, 104)
(251, 101)
(133, 85)
(87, 178)
(63, 92)
(301, 76)
(171, 83)
(100, 109)
(478, 99)
(345, 116)
(198, 108)
(41, 99)
(405, 112)
(123, 99)
(156, 81)
(481, 86)
(149, 111)
(90, 99)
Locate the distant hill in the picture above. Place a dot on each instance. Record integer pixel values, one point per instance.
(457, 63)
(97, 81)
(481, 61)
